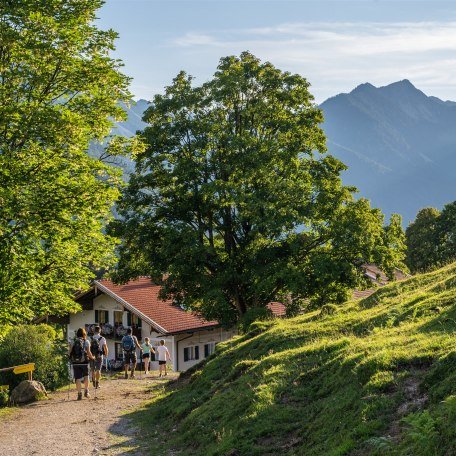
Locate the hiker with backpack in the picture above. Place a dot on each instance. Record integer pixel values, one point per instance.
(99, 348)
(129, 345)
(80, 355)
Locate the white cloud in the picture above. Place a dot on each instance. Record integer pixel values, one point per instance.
(342, 54)
(195, 39)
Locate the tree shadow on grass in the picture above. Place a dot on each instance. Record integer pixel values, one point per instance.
(291, 400)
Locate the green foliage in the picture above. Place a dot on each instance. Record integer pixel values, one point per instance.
(421, 436)
(346, 383)
(252, 315)
(422, 240)
(235, 202)
(431, 238)
(447, 232)
(4, 397)
(328, 309)
(59, 91)
(37, 344)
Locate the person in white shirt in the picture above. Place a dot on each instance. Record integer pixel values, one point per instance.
(99, 349)
(163, 355)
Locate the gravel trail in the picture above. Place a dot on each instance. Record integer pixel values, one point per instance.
(63, 426)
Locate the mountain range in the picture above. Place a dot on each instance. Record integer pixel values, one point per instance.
(398, 143)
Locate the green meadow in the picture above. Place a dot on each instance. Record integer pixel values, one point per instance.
(369, 377)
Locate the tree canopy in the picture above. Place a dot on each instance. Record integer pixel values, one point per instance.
(235, 202)
(431, 238)
(59, 91)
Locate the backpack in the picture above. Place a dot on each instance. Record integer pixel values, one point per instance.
(95, 347)
(128, 343)
(78, 354)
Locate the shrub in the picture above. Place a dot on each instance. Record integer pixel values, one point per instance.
(4, 397)
(328, 309)
(254, 314)
(34, 344)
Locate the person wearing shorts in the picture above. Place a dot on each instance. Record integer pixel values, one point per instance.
(81, 369)
(163, 355)
(130, 355)
(95, 365)
(146, 351)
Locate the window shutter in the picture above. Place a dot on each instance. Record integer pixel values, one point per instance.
(206, 350)
(139, 323)
(197, 352)
(96, 316)
(106, 316)
(185, 354)
(128, 318)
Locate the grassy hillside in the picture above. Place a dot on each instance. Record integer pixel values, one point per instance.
(370, 377)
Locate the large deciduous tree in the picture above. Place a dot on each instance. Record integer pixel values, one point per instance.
(235, 203)
(59, 90)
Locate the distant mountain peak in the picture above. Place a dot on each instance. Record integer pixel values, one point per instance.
(403, 83)
(403, 86)
(398, 143)
(404, 89)
(367, 86)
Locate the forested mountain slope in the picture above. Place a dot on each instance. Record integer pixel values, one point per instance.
(399, 145)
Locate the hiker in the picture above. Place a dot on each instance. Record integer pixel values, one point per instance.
(129, 344)
(163, 355)
(146, 351)
(80, 355)
(99, 348)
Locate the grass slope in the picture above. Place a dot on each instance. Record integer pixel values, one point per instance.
(370, 377)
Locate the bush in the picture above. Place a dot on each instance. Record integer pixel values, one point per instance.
(4, 397)
(254, 314)
(34, 344)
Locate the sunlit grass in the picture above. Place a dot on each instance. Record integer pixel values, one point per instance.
(374, 377)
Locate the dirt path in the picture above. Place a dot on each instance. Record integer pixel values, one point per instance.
(66, 427)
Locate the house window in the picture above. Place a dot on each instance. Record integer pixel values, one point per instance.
(191, 353)
(118, 318)
(135, 321)
(101, 316)
(209, 349)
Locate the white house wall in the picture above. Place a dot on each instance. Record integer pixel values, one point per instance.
(199, 339)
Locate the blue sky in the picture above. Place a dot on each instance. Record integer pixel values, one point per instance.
(336, 45)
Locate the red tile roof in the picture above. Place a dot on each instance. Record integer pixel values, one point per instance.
(142, 296)
(277, 308)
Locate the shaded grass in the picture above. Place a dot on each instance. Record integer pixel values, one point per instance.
(375, 376)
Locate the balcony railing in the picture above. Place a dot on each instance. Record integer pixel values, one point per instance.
(115, 332)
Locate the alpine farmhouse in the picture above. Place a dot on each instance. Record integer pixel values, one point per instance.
(136, 304)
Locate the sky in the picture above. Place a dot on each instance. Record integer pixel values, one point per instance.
(336, 45)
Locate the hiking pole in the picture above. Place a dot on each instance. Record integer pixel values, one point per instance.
(69, 380)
